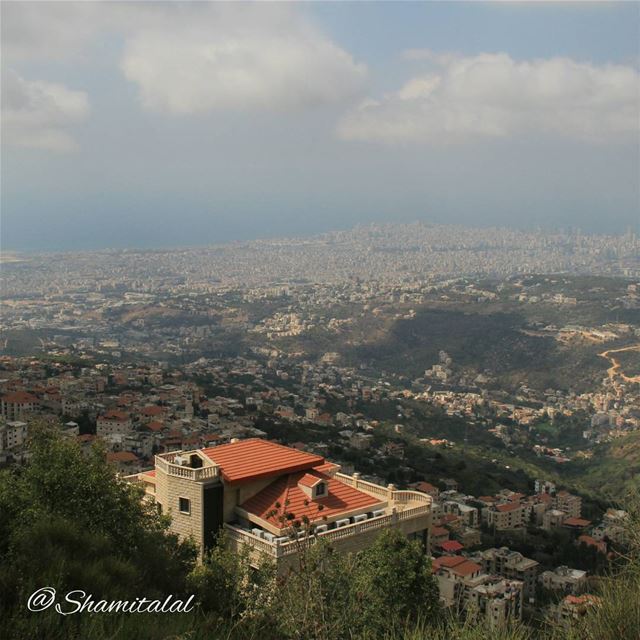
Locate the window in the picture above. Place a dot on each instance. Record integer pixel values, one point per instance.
(321, 489)
(184, 504)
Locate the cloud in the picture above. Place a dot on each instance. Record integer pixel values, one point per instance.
(48, 30)
(238, 57)
(36, 114)
(494, 96)
(194, 57)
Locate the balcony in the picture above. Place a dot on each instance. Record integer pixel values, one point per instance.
(166, 464)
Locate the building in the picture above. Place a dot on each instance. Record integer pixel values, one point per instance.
(569, 503)
(426, 487)
(502, 517)
(614, 526)
(112, 422)
(450, 547)
(552, 519)
(18, 404)
(564, 579)
(513, 565)
(273, 498)
(575, 607)
(468, 515)
(469, 537)
(576, 524)
(12, 435)
(124, 461)
(497, 600)
(464, 586)
(545, 486)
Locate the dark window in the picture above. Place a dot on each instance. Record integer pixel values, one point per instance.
(321, 489)
(184, 504)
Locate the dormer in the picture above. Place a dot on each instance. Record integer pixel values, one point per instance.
(313, 486)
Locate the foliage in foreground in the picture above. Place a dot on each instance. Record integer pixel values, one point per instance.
(67, 522)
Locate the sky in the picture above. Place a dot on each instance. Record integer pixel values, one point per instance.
(157, 124)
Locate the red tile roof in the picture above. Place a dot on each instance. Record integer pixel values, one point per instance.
(449, 517)
(592, 542)
(327, 467)
(253, 459)
(309, 480)
(425, 487)
(285, 492)
(122, 456)
(152, 410)
(116, 416)
(19, 397)
(466, 568)
(576, 522)
(447, 561)
(510, 506)
(587, 598)
(451, 545)
(457, 564)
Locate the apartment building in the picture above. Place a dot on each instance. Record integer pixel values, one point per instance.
(466, 587)
(564, 579)
(18, 405)
(513, 565)
(12, 434)
(112, 422)
(553, 518)
(569, 503)
(468, 515)
(502, 517)
(273, 499)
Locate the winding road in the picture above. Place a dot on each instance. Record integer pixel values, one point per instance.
(615, 368)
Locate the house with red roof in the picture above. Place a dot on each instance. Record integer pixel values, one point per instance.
(125, 461)
(506, 516)
(599, 545)
(152, 412)
(426, 487)
(439, 535)
(272, 498)
(576, 607)
(17, 404)
(576, 524)
(450, 547)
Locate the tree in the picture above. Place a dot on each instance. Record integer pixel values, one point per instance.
(392, 583)
(67, 520)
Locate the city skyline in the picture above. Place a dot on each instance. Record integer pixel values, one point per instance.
(158, 125)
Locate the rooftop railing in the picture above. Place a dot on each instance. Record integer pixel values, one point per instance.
(398, 498)
(413, 504)
(165, 463)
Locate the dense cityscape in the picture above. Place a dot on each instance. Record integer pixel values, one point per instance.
(157, 352)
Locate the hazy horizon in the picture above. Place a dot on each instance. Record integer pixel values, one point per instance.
(230, 242)
(160, 124)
